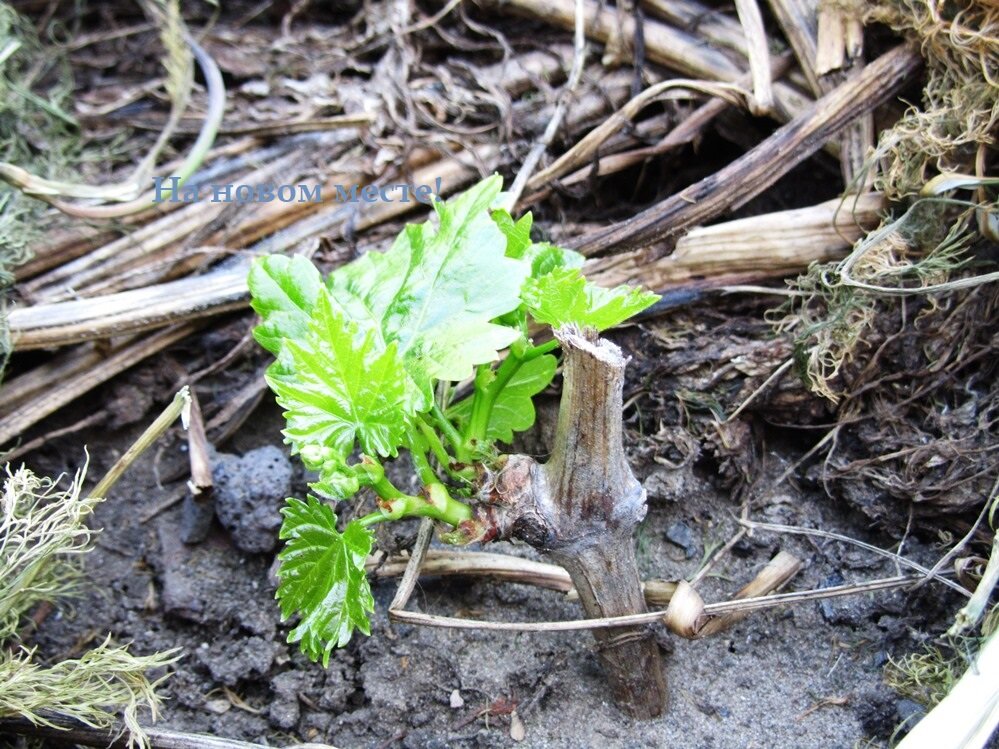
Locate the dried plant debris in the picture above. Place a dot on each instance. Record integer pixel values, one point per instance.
(917, 397)
(43, 532)
(900, 336)
(929, 675)
(37, 130)
(959, 115)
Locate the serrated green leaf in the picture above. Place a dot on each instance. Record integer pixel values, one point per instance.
(322, 578)
(545, 258)
(513, 410)
(283, 291)
(437, 290)
(517, 233)
(339, 386)
(564, 296)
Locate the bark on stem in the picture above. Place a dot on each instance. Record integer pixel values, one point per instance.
(582, 508)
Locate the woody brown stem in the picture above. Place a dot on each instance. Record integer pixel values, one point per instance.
(581, 507)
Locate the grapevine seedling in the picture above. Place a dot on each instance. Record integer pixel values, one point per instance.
(368, 363)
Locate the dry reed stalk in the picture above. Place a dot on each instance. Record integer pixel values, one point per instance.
(840, 37)
(777, 573)
(664, 45)
(755, 171)
(710, 25)
(610, 162)
(758, 52)
(118, 256)
(66, 323)
(829, 46)
(772, 245)
(63, 392)
(222, 290)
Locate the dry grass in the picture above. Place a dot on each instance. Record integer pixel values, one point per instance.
(960, 110)
(42, 535)
(36, 130)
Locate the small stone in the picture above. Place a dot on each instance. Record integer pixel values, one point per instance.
(419, 718)
(909, 712)
(181, 596)
(218, 706)
(679, 534)
(517, 730)
(248, 495)
(666, 484)
(196, 519)
(840, 611)
(457, 700)
(238, 659)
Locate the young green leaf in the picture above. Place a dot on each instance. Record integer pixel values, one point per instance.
(546, 258)
(322, 578)
(337, 480)
(283, 291)
(513, 410)
(517, 233)
(564, 296)
(436, 290)
(339, 386)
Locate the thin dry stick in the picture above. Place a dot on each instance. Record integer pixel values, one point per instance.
(774, 376)
(412, 573)
(179, 406)
(817, 533)
(116, 737)
(761, 167)
(584, 150)
(956, 548)
(578, 63)
(690, 128)
(631, 620)
(759, 56)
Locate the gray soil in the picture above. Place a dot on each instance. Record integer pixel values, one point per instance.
(803, 676)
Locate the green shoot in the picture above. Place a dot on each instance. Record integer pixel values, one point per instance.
(366, 362)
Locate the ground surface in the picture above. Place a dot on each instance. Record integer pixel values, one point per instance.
(807, 676)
